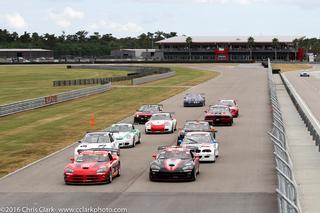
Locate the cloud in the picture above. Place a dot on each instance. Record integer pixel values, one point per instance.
(128, 27)
(66, 16)
(16, 21)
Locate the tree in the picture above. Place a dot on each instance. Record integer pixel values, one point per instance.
(295, 45)
(275, 43)
(250, 44)
(189, 42)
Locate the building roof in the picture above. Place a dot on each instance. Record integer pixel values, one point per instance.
(24, 50)
(229, 39)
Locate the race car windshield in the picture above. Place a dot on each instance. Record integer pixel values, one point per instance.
(160, 117)
(120, 128)
(227, 102)
(196, 126)
(149, 108)
(96, 139)
(175, 155)
(92, 158)
(218, 109)
(197, 139)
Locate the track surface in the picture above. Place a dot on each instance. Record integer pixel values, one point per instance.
(242, 180)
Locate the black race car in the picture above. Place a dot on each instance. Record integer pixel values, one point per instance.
(144, 113)
(174, 163)
(194, 100)
(195, 126)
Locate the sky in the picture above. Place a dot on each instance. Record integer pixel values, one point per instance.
(186, 17)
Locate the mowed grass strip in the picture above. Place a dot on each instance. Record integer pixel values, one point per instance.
(19, 83)
(26, 137)
(291, 67)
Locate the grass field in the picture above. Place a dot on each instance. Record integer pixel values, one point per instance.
(24, 82)
(291, 67)
(26, 137)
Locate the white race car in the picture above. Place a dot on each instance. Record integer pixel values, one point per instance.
(203, 143)
(125, 134)
(97, 141)
(163, 122)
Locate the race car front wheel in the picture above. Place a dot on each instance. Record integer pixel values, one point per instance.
(110, 176)
(194, 175)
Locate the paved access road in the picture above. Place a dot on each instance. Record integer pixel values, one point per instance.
(242, 180)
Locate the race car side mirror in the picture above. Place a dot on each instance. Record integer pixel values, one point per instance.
(72, 160)
(154, 155)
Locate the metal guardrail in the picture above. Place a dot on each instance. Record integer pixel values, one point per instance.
(25, 105)
(150, 78)
(286, 189)
(307, 116)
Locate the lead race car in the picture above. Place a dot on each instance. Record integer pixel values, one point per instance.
(219, 115)
(174, 163)
(97, 141)
(144, 113)
(92, 167)
(203, 143)
(232, 104)
(163, 122)
(195, 126)
(194, 100)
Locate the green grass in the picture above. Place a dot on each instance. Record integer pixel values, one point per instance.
(291, 67)
(24, 82)
(26, 137)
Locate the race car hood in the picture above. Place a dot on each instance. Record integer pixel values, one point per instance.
(171, 165)
(120, 135)
(198, 146)
(81, 167)
(159, 122)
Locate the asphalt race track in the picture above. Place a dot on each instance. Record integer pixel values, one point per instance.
(242, 180)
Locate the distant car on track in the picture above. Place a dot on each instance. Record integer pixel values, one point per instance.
(92, 167)
(195, 126)
(219, 115)
(194, 100)
(163, 122)
(144, 113)
(174, 163)
(204, 144)
(97, 141)
(232, 104)
(126, 135)
(304, 74)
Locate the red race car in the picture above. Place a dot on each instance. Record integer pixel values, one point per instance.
(219, 114)
(92, 167)
(232, 104)
(144, 113)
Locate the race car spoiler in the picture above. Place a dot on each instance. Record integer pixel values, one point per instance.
(112, 151)
(193, 148)
(160, 105)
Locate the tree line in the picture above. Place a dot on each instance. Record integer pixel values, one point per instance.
(81, 43)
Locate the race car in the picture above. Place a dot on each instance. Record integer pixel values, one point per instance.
(203, 143)
(174, 163)
(219, 115)
(195, 126)
(194, 100)
(304, 74)
(144, 113)
(92, 167)
(163, 122)
(99, 141)
(126, 135)
(232, 104)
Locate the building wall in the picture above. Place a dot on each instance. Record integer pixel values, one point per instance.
(26, 54)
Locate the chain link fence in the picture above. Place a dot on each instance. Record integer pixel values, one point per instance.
(286, 189)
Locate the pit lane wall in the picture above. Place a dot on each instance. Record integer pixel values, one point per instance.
(307, 116)
(287, 187)
(35, 103)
